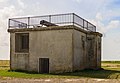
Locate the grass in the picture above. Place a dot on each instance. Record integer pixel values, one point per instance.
(111, 71)
(113, 62)
(4, 63)
(111, 65)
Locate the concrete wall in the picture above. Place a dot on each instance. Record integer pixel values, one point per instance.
(55, 45)
(79, 50)
(99, 50)
(93, 51)
(18, 61)
(86, 50)
(13, 62)
(68, 48)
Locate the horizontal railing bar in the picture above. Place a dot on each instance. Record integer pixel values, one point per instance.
(43, 16)
(17, 21)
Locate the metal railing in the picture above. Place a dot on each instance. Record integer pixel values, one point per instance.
(58, 19)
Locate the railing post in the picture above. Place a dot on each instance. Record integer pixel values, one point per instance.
(87, 25)
(73, 18)
(9, 23)
(50, 18)
(28, 22)
(95, 28)
(83, 23)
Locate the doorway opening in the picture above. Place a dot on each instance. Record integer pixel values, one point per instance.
(43, 65)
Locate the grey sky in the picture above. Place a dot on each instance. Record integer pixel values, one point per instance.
(105, 14)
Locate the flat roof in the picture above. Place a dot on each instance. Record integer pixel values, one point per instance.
(53, 28)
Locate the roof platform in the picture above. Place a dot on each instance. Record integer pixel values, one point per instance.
(51, 20)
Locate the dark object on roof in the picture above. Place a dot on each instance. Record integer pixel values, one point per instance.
(46, 23)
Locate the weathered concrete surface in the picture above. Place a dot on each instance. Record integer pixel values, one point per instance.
(79, 50)
(68, 48)
(94, 51)
(55, 45)
(17, 60)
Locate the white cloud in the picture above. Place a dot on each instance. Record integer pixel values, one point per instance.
(104, 27)
(79, 1)
(113, 24)
(20, 2)
(2, 1)
(99, 17)
(99, 25)
(5, 13)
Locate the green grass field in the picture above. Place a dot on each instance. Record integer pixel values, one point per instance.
(111, 71)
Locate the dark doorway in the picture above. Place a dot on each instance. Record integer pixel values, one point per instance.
(43, 65)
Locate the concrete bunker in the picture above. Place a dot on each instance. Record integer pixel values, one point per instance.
(63, 45)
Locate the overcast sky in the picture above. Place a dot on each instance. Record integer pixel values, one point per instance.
(105, 14)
